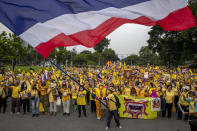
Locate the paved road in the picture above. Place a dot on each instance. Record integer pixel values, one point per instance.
(22, 122)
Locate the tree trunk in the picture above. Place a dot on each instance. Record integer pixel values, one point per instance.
(13, 64)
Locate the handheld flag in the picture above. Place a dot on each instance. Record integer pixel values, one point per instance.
(46, 24)
(44, 76)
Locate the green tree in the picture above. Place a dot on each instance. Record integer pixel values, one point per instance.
(132, 59)
(3, 44)
(11, 48)
(80, 60)
(61, 55)
(146, 56)
(102, 45)
(109, 55)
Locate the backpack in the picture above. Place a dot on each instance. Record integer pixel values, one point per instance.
(117, 102)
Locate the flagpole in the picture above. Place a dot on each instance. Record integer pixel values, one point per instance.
(77, 82)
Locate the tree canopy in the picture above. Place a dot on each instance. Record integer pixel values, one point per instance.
(102, 45)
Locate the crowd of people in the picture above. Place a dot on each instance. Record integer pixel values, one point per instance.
(48, 88)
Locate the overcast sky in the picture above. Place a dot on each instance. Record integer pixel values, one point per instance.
(126, 40)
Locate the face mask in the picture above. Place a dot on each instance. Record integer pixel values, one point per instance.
(190, 98)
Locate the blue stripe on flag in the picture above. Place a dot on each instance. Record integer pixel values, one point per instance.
(19, 15)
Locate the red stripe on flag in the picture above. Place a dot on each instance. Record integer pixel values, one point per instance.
(179, 20)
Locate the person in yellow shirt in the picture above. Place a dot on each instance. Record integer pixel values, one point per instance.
(142, 92)
(35, 101)
(175, 89)
(153, 92)
(169, 99)
(87, 86)
(117, 90)
(112, 108)
(24, 94)
(133, 92)
(183, 103)
(3, 95)
(15, 97)
(192, 101)
(137, 88)
(53, 94)
(81, 101)
(100, 92)
(44, 99)
(65, 91)
(127, 90)
(74, 90)
(162, 90)
(92, 99)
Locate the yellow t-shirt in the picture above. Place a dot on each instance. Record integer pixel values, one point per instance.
(115, 92)
(34, 93)
(81, 98)
(169, 97)
(175, 90)
(15, 91)
(142, 93)
(93, 92)
(127, 91)
(111, 102)
(101, 92)
(192, 107)
(60, 83)
(28, 85)
(43, 90)
(52, 93)
(122, 90)
(2, 92)
(174, 76)
(65, 94)
(74, 91)
(184, 96)
(137, 91)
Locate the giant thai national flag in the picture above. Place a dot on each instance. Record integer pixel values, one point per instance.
(46, 24)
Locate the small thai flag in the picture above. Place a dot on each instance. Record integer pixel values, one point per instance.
(45, 76)
(109, 80)
(100, 80)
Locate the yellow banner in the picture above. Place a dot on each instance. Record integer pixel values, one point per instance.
(138, 108)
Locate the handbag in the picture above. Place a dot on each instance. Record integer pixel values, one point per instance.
(58, 101)
(173, 108)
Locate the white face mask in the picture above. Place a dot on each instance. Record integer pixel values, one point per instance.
(191, 98)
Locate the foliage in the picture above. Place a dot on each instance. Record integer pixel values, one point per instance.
(146, 56)
(102, 45)
(110, 55)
